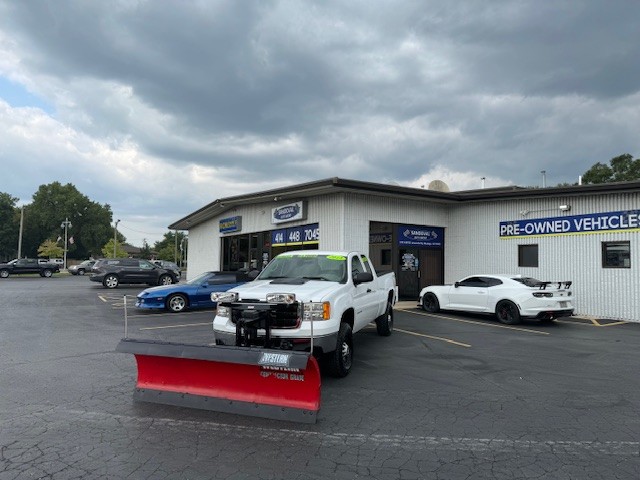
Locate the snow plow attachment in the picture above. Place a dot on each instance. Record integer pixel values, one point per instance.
(277, 384)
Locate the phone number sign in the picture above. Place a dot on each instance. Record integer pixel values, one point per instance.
(302, 235)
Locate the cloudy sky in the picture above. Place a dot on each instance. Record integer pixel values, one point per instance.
(160, 107)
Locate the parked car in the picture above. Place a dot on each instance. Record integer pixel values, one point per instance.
(81, 268)
(111, 272)
(195, 293)
(509, 297)
(169, 266)
(28, 265)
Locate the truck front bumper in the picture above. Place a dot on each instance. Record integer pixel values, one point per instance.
(324, 343)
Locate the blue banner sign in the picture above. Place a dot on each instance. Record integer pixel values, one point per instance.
(623, 221)
(421, 237)
(231, 224)
(303, 235)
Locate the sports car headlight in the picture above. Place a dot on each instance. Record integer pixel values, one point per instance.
(224, 297)
(316, 311)
(281, 298)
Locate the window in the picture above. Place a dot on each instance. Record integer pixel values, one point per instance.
(616, 255)
(365, 263)
(222, 279)
(385, 257)
(527, 255)
(356, 266)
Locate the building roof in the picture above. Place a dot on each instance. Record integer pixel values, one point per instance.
(341, 185)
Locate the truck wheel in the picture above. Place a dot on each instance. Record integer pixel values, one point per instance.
(165, 280)
(507, 312)
(47, 273)
(110, 281)
(4, 273)
(176, 303)
(430, 303)
(340, 360)
(384, 323)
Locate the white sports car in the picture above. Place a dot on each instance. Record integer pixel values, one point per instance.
(509, 297)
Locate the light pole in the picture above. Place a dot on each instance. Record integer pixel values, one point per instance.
(66, 225)
(115, 237)
(20, 233)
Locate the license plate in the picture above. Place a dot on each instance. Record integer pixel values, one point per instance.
(563, 304)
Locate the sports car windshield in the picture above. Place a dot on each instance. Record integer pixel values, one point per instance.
(203, 277)
(330, 268)
(528, 281)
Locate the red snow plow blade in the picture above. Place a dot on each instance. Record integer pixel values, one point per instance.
(283, 385)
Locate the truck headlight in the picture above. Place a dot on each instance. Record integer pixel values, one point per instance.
(224, 297)
(316, 311)
(223, 312)
(281, 298)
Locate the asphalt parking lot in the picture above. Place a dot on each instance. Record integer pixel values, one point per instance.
(445, 397)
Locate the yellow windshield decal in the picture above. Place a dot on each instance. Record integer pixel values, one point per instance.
(336, 257)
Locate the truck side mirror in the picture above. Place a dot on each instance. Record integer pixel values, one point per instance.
(362, 277)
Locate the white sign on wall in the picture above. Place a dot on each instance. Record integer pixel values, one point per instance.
(289, 212)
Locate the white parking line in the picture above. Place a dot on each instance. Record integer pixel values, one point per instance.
(442, 339)
(176, 326)
(494, 325)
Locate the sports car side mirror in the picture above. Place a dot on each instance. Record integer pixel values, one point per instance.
(457, 284)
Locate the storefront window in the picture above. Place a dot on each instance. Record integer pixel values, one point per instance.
(527, 255)
(616, 255)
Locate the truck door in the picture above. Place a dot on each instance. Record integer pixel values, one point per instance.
(364, 298)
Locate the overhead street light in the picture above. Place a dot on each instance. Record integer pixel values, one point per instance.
(66, 225)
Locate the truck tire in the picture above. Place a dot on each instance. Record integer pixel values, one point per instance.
(47, 273)
(4, 273)
(339, 361)
(384, 323)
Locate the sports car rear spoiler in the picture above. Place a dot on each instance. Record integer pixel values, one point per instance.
(544, 285)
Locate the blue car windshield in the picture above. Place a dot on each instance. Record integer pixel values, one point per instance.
(203, 277)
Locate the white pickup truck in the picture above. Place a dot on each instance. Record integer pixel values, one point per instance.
(305, 300)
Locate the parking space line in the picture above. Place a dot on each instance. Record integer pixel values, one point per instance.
(102, 298)
(176, 326)
(167, 314)
(447, 340)
(519, 329)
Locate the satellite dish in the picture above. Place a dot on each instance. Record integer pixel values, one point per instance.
(438, 186)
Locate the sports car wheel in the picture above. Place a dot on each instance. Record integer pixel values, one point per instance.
(430, 303)
(176, 303)
(165, 280)
(110, 281)
(507, 312)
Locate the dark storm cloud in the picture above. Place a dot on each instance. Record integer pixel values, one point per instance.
(286, 92)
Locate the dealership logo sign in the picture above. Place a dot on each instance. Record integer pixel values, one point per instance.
(425, 237)
(289, 212)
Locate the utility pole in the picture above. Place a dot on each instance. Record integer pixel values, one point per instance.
(20, 234)
(115, 237)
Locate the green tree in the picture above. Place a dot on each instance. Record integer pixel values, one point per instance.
(107, 250)
(145, 251)
(50, 249)
(620, 169)
(166, 248)
(52, 204)
(9, 226)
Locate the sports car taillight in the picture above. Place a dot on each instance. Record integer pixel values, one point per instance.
(542, 294)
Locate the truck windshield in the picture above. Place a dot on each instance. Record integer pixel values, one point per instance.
(330, 268)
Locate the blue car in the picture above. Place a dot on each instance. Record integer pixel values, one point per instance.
(195, 293)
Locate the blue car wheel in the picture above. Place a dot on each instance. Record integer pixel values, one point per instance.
(177, 303)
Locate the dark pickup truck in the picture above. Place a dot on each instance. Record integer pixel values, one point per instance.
(28, 265)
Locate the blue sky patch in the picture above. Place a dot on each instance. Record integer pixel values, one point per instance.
(17, 96)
